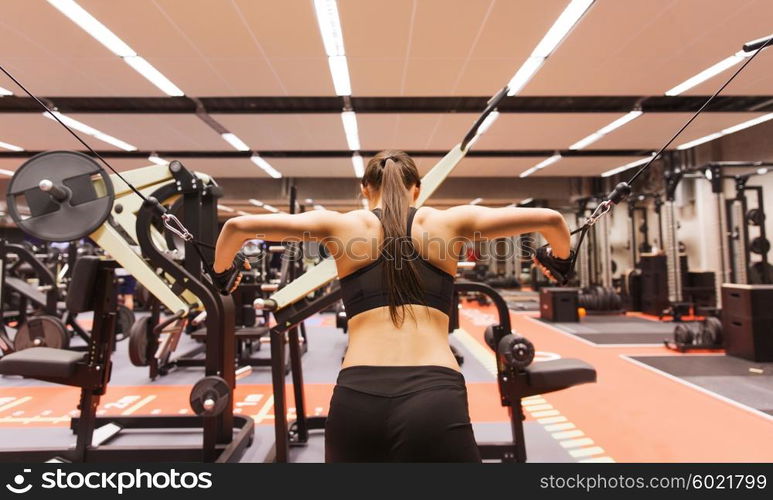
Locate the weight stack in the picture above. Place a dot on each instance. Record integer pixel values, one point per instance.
(654, 284)
(559, 304)
(746, 318)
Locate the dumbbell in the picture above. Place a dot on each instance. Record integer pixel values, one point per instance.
(688, 333)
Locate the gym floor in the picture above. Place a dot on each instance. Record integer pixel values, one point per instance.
(650, 404)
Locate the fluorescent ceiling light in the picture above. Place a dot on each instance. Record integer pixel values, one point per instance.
(330, 27)
(10, 147)
(708, 73)
(700, 140)
(359, 166)
(561, 27)
(595, 136)
(266, 166)
(339, 70)
(153, 75)
(225, 208)
(350, 129)
(5, 92)
(234, 141)
(524, 74)
(97, 134)
(90, 25)
(620, 122)
(760, 171)
(476, 201)
(625, 167)
(3, 171)
(726, 131)
(317, 206)
(539, 166)
(114, 44)
(256, 202)
(157, 159)
(242, 212)
(525, 202)
(747, 124)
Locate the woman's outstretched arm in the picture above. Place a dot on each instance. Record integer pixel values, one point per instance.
(473, 222)
(317, 224)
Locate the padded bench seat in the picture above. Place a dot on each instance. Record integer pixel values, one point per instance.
(246, 333)
(41, 362)
(557, 374)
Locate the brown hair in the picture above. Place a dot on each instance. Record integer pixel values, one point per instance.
(393, 174)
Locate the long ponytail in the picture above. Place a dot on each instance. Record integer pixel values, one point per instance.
(394, 173)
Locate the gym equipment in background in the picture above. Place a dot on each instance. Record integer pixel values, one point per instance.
(600, 300)
(94, 289)
(53, 201)
(559, 304)
(694, 335)
(746, 319)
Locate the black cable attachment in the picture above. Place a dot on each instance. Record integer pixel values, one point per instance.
(621, 192)
(154, 204)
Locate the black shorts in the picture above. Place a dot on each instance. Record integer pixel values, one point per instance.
(399, 414)
(127, 284)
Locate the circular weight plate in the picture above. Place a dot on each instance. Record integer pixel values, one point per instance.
(698, 332)
(713, 331)
(518, 352)
(761, 273)
(618, 302)
(210, 396)
(89, 196)
(606, 299)
(42, 331)
(682, 334)
(759, 245)
(595, 302)
(755, 217)
(123, 323)
(138, 342)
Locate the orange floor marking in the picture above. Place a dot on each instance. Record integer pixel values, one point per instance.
(638, 415)
(47, 406)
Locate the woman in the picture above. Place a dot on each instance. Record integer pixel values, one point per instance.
(400, 395)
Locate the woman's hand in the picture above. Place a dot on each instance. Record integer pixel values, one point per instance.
(228, 280)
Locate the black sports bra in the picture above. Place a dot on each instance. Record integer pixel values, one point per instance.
(364, 289)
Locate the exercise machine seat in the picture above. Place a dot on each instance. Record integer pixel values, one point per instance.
(557, 374)
(41, 362)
